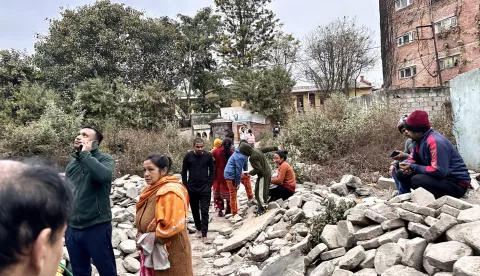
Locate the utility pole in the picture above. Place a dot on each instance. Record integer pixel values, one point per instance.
(437, 61)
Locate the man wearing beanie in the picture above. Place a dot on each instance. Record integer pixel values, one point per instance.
(434, 164)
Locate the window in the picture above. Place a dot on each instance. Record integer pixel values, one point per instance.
(300, 106)
(448, 62)
(445, 24)
(311, 99)
(400, 4)
(406, 38)
(407, 72)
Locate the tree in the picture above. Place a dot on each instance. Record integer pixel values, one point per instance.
(248, 34)
(267, 91)
(109, 41)
(337, 54)
(285, 51)
(200, 35)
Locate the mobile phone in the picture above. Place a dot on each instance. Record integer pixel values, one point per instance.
(395, 153)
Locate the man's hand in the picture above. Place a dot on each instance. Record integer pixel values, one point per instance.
(87, 146)
(392, 169)
(401, 156)
(406, 167)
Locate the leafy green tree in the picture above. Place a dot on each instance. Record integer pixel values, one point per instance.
(109, 41)
(200, 35)
(285, 51)
(248, 34)
(267, 91)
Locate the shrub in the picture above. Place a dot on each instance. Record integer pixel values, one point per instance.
(130, 147)
(332, 215)
(51, 135)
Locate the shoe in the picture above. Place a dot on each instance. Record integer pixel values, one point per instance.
(260, 212)
(205, 240)
(220, 214)
(228, 212)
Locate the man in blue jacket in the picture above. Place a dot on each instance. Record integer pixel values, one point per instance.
(234, 173)
(434, 164)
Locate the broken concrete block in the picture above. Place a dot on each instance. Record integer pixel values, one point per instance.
(387, 256)
(393, 224)
(324, 269)
(368, 262)
(417, 228)
(457, 203)
(352, 258)
(418, 209)
(357, 217)
(430, 221)
(444, 255)
(409, 216)
(339, 189)
(413, 253)
(467, 266)
(332, 254)
(400, 198)
(345, 234)
(351, 181)
(469, 215)
(374, 216)
(386, 183)
(315, 253)
(422, 197)
(446, 209)
(435, 231)
(370, 244)
(398, 270)
(393, 236)
(369, 233)
(329, 236)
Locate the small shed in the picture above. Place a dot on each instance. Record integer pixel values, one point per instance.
(202, 131)
(220, 127)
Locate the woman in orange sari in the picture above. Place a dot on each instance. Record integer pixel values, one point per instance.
(161, 221)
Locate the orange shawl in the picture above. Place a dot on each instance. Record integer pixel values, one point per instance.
(171, 208)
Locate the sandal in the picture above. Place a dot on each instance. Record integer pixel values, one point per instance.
(205, 240)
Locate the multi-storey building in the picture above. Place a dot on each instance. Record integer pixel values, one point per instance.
(426, 43)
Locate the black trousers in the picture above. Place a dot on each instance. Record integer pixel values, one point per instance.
(438, 187)
(200, 204)
(94, 242)
(279, 192)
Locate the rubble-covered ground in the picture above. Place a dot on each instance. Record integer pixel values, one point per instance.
(408, 235)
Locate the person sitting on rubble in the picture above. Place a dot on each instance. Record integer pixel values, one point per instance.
(434, 164)
(401, 156)
(284, 183)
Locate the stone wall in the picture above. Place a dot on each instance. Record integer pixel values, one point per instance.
(432, 100)
(203, 118)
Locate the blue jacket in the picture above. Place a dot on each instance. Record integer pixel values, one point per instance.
(436, 156)
(237, 163)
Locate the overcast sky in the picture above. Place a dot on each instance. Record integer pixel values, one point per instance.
(22, 19)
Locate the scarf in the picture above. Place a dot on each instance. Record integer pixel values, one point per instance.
(153, 189)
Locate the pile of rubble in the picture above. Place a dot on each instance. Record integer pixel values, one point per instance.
(407, 235)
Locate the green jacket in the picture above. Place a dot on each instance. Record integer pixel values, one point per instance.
(90, 173)
(257, 160)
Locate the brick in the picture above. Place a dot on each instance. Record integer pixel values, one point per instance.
(369, 232)
(435, 231)
(409, 216)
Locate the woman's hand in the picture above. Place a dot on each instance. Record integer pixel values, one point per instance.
(392, 170)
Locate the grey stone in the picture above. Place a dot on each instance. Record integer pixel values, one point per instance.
(259, 253)
(289, 265)
(226, 231)
(366, 272)
(430, 269)
(132, 193)
(332, 254)
(443, 274)
(460, 231)
(381, 209)
(413, 253)
(403, 243)
(124, 226)
(118, 236)
(363, 191)
(339, 189)
(293, 211)
(446, 209)
(387, 256)
(227, 270)
(417, 228)
(418, 209)
(400, 198)
(369, 260)
(400, 270)
(278, 244)
(393, 236)
(345, 234)
(409, 216)
(301, 229)
(273, 205)
(352, 258)
(435, 231)
(469, 215)
(302, 245)
(295, 201)
(329, 236)
(128, 246)
(370, 244)
(249, 271)
(430, 221)
(248, 231)
(368, 233)
(444, 255)
(131, 264)
(324, 269)
(422, 197)
(386, 183)
(209, 254)
(341, 272)
(467, 266)
(457, 203)
(310, 208)
(277, 234)
(357, 217)
(473, 239)
(298, 217)
(351, 181)
(315, 253)
(374, 216)
(222, 262)
(392, 224)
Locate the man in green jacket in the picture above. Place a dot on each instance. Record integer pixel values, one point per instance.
(262, 169)
(89, 234)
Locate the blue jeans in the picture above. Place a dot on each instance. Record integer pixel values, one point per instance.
(94, 242)
(402, 189)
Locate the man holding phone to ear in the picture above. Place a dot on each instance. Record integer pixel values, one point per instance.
(89, 232)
